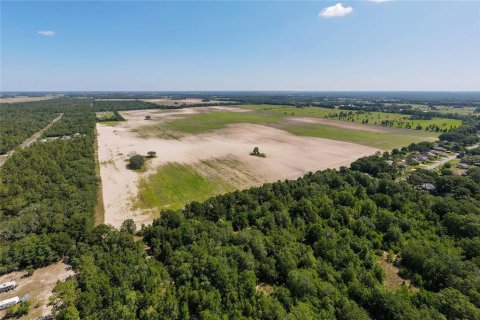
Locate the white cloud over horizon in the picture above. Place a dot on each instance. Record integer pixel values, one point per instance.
(335, 11)
(46, 33)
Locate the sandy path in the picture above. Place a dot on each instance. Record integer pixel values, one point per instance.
(288, 156)
(39, 286)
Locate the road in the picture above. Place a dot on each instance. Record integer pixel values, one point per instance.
(28, 141)
(441, 162)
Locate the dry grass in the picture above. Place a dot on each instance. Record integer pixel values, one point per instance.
(39, 286)
(393, 281)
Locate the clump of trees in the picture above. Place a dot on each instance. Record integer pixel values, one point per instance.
(151, 154)
(115, 117)
(136, 162)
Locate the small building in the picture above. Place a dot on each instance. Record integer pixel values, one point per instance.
(7, 286)
(463, 166)
(440, 149)
(4, 304)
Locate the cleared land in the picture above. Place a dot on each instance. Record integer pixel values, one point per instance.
(25, 99)
(371, 118)
(172, 102)
(39, 286)
(203, 120)
(204, 151)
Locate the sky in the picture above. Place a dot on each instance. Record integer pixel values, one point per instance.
(249, 45)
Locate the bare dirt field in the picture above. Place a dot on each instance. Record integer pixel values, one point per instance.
(25, 99)
(39, 286)
(288, 157)
(172, 102)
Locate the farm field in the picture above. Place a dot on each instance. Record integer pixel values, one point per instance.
(202, 152)
(204, 120)
(27, 99)
(171, 102)
(370, 118)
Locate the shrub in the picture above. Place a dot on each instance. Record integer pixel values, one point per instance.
(136, 162)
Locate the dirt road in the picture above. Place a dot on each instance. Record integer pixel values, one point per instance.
(28, 141)
(441, 162)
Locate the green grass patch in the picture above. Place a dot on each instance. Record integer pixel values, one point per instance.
(394, 120)
(104, 115)
(205, 122)
(385, 141)
(210, 121)
(213, 120)
(173, 185)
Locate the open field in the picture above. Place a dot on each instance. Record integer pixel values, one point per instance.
(207, 158)
(175, 184)
(25, 99)
(172, 102)
(104, 115)
(203, 120)
(441, 109)
(371, 118)
(39, 286)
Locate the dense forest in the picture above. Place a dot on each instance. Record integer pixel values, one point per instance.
(304, 249)
(48, 192)
(20, 121)
(311, 248)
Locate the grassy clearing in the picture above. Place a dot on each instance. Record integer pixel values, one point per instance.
(173, 185)
(205, 122)
(370, 118)
(104, 115)
(393, 281)
(385, 141)
(451, 110)
(214, 120)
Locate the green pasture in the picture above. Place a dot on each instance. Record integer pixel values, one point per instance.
(397, 138)
(370, 118)
(270, 116)
(205, 122)
(174, 184)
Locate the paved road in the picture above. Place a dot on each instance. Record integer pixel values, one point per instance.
(28, 141)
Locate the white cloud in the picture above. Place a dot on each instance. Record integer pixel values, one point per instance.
(337, 10)
(46, 33)
(379, 1)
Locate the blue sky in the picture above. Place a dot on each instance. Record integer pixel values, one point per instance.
(359, 45)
